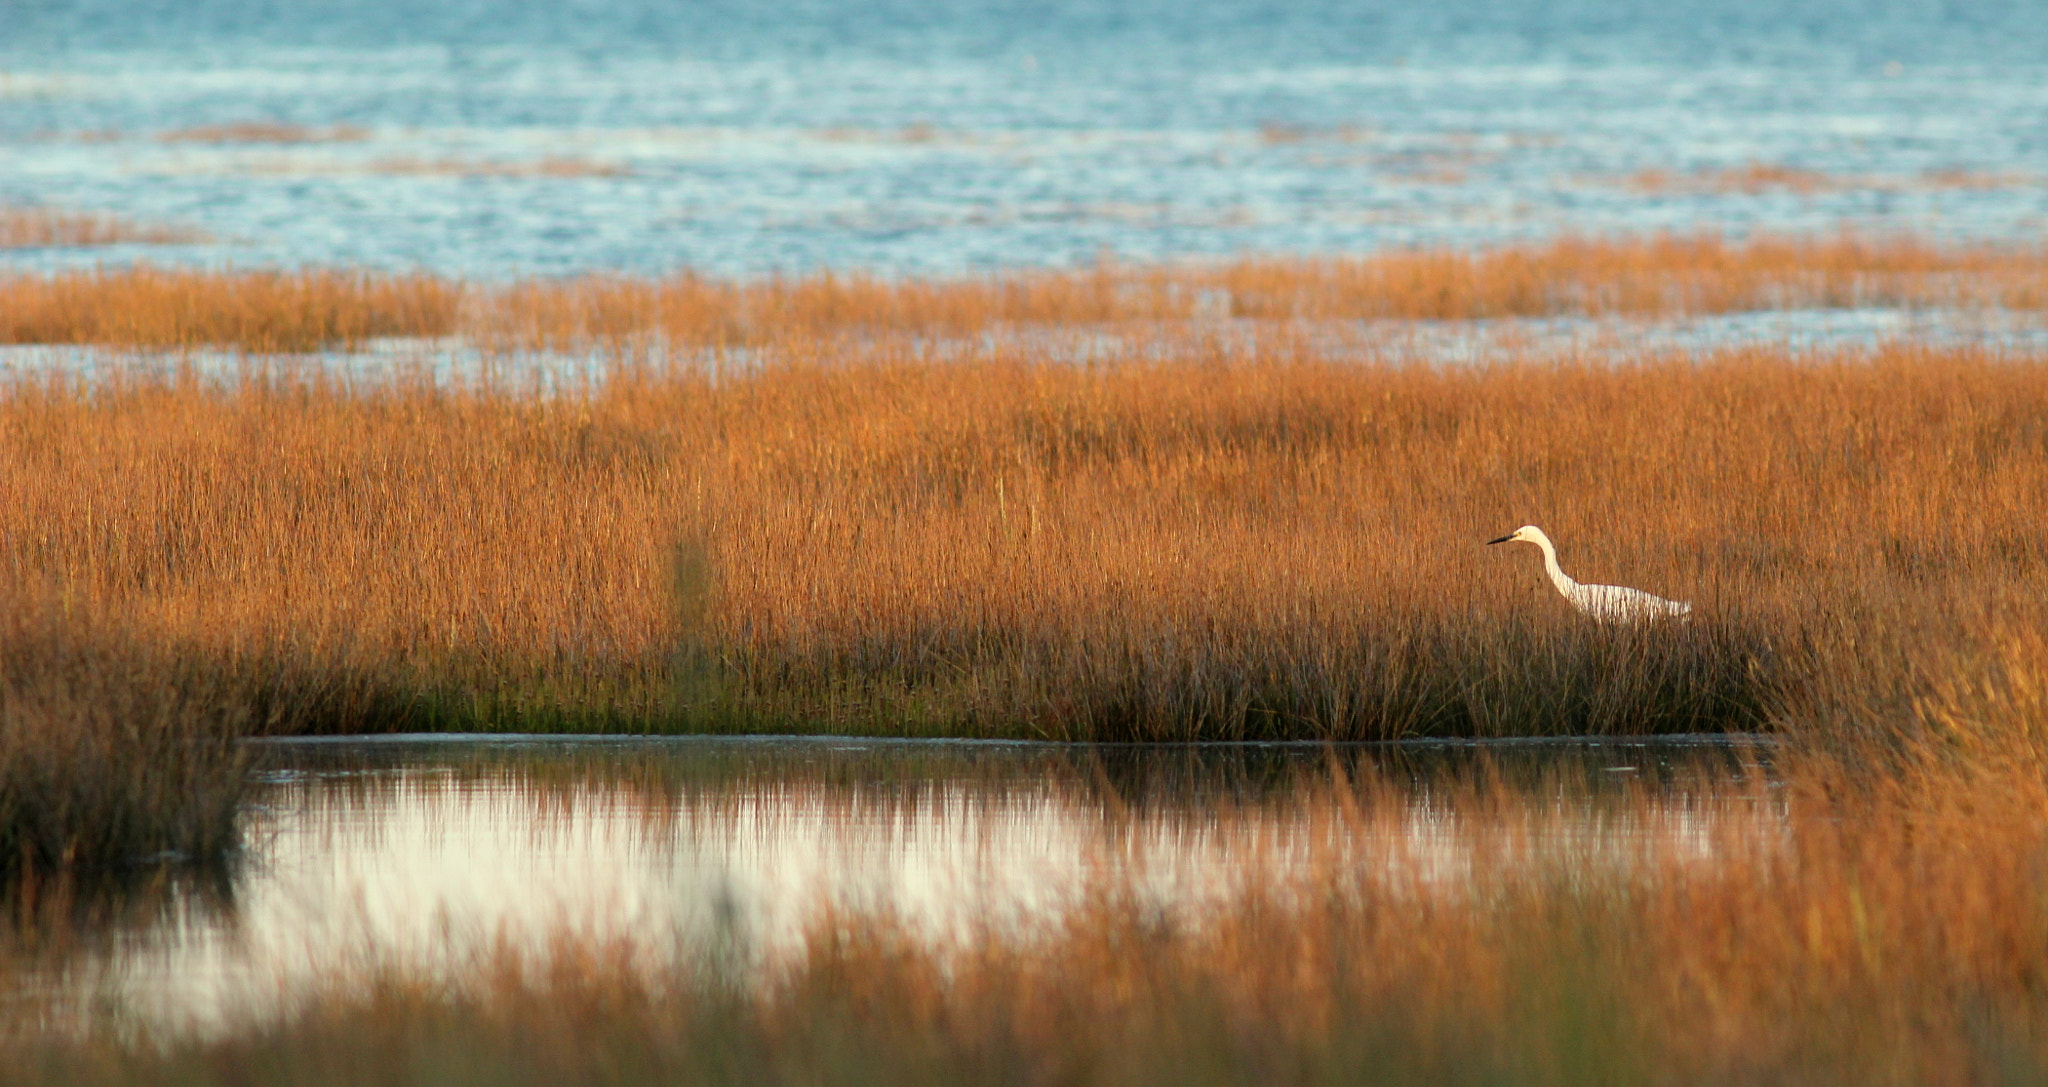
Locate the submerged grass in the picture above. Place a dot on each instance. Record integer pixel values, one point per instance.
(1656, 276)
(1249, 543)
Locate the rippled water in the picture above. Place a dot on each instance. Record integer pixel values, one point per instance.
(424, 855)
(912, 136)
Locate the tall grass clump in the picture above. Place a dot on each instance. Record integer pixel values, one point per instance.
(112, 757)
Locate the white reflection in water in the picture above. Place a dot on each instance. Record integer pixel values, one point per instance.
(425, 870)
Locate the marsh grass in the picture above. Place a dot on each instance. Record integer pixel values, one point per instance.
(857, 536)
(1250, 544)
(265, 312)
(23, 228)
(1655, 276)
(113, 759)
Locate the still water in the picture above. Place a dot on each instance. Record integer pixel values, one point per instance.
(424, 855)
(1819, 334)
(494, 138)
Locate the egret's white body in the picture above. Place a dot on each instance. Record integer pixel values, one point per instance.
(1603, 603)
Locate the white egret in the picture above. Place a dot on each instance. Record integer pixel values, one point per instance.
(1603, 603)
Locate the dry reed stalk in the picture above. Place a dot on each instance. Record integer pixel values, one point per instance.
(1252, 545)
(1642, 277)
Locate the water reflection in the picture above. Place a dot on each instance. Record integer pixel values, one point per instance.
(1616, 340)
(426, 856)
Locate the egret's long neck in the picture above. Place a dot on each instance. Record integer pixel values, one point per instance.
(1558, 577)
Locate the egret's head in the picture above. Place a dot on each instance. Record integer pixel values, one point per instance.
(1525, 534)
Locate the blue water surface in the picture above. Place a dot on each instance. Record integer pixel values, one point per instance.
(519, 137)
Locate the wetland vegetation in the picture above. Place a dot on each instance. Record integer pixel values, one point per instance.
(1658, 276)
(891, 514)
(1196, 537)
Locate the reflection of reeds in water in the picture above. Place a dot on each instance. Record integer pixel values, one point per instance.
(429, 866)
(885, 783)
(1644, 277)
(23, 228)
(1256, 546)
(1880, 931)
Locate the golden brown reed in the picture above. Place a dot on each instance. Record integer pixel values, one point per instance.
(167, 309)
(1660, 276)
(1656, 276)
(114, 756)
(22, 228)
(1247, 543)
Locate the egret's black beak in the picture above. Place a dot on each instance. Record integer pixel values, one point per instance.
(1503, 539)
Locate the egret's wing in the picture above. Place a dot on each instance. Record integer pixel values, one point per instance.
(1619, 603)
